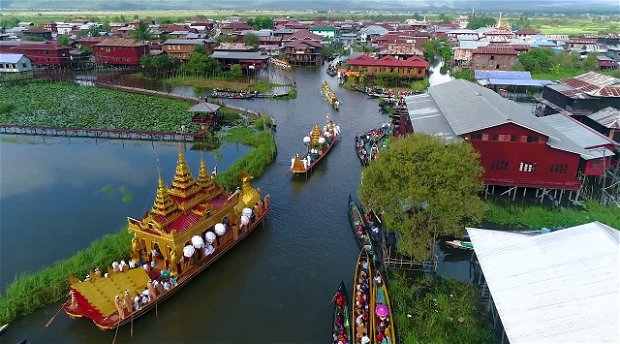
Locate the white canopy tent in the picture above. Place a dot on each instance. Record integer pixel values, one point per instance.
(560, 287)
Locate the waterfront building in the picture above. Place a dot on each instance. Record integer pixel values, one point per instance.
(40, 33)
(500, 57)
(15, 63)
(252, 60)
(560, 287)
(414, 67)
(40, 53)
(303, 48)
(517, 149)
(581, 95)
(119, 51)
(181, 48)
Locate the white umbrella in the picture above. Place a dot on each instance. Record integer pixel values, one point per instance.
(220, 229)
(197, 242)
(210, 237)
(245, 219)
(306, 139)
(327, 134)
(189, 251)
(247, 212)
(208, 250)
(321, 140)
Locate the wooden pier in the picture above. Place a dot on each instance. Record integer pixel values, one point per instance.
(113, 134)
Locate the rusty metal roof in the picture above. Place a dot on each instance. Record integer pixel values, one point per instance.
(592, 84)
(608, 117)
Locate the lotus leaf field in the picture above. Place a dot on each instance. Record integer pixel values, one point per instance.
(64, 105)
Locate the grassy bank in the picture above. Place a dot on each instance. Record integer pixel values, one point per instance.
(65, 105)
(438, 310)
(534, 216)
(200, 83)
(32, 291)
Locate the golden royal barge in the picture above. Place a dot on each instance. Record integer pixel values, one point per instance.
(318, 144)
(191, 225)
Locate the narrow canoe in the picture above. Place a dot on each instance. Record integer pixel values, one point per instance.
(382, 326)
(365, 289)
(341, 323)
(356, 218)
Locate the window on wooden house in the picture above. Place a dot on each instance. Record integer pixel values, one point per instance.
(532, 138)
(513, 138)
(494, 137)
(492, 57)
(476, 137)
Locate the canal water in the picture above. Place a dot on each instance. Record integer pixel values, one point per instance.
(275, 287)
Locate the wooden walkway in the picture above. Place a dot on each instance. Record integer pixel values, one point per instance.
(97, 133)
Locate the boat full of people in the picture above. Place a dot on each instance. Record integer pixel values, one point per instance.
(318, 145)
(192, 223)
(331, 97)
(341, 323)
(361, 303)
(383, 321)
(368, 145)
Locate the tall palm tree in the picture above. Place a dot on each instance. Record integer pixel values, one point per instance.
(142, 33)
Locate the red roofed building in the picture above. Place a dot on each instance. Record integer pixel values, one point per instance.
(582, 95)
(303, 48)
(234, 27)
(119, 51)
(413, 67)
(500, 57)
(41, 53)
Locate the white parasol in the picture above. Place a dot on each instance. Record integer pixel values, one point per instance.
(327, 134)
(188, 251)
(210, 237)
(197, 242)
(220, 229)
(247, 212)
(245, 219)
(321, 140)
(306, 139)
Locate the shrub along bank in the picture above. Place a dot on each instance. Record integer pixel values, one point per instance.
(32, 291)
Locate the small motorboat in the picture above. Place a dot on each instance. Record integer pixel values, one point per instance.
(460, 244)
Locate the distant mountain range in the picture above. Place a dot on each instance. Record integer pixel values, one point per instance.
(393, 6)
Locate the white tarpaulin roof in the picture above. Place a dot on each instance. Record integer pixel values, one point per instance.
(560, 287)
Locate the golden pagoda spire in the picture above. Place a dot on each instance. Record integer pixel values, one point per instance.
(315, 134)
(163, 204)
(183, 184)
(204, 179)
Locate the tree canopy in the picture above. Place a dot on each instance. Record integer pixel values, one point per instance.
(261, 23)
(63, 40)
(236, 71)
(155, 65)
(142, 32)
(435, 49)
(478, 22)
(425, 189)
(251, 40)
(200, 64)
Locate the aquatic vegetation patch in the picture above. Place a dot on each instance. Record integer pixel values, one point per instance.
(438, 310)
(65, 105)
(535, 216)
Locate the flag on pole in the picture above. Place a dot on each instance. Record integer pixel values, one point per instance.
(214, 173)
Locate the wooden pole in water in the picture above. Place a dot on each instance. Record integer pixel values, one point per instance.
(117, 326)
(54, 317)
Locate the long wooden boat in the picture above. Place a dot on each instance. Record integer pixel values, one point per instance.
(318, 145)
(362, 283)
(181, 216)
(383, 321)
(361, 232)
(341, 323)
(331, 97)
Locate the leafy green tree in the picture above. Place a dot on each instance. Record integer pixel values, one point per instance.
(434, 49)
(106, 26)
(476, 22)
(425, 189)
(463, 74)
(251, 40)
(536, 60)
(589, 63)
(236, 71)
(444, 19)
(63, 40)
(142, 32)
(261, 22)
(94, 30)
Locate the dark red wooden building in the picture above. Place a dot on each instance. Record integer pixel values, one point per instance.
(41, 53)
(120, 51)
(517, 149)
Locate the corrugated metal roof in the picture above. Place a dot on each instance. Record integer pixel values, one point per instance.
(10, 58)
(471, 45)
(519, 82)
(500, 74)
(577, 132)
(204, 107)
(560, 287)
(469, 107)
(185, 41)
(426, 118)
(242, 55)
(608, 117)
